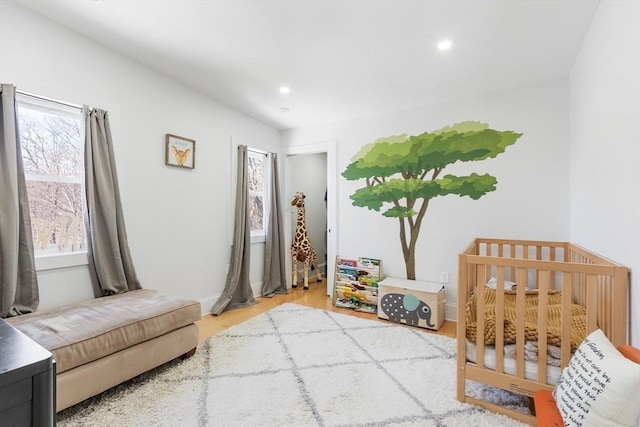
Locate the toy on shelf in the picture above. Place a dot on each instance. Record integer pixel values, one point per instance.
(356, 283)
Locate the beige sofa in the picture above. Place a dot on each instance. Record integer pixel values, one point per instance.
(100, 343)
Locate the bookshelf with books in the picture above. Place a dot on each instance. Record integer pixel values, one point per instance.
(356, 284)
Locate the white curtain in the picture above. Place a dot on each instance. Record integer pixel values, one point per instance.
(18, 279)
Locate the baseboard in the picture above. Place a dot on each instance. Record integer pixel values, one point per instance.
(206, 304)
(450, 312)
(257, 288)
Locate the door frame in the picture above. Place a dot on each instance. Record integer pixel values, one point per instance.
(330, 149)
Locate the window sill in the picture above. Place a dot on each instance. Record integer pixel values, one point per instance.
(258, 239)
(51, 262)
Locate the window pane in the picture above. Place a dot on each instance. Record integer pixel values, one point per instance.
(56, 215)
(50, 144)
(256, 172)
(256, 211)
(53, 163)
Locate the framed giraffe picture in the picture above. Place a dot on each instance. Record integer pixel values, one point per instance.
(180, 152)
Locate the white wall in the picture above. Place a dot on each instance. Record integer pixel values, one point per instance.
(308, 173)
(605, 142)
(531, 201)
(177, 220)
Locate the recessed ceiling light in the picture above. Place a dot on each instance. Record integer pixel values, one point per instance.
(285, 90)
(445, 45)
(284, 109)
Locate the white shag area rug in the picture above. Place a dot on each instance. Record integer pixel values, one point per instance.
(299, 366)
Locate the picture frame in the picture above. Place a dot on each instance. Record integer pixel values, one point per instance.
(180, 152)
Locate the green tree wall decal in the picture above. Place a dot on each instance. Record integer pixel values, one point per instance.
(402, 174)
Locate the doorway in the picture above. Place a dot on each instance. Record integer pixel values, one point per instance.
(313, 158)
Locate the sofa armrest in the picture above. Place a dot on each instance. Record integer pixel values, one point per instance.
(547, 413)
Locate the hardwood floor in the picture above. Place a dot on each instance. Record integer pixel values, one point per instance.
(315, 297)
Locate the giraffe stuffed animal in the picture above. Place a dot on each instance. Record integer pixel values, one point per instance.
(301, 249)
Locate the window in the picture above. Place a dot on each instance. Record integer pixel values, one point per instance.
(52, 153)
(257, 183)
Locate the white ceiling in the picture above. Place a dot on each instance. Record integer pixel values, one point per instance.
(341, 59)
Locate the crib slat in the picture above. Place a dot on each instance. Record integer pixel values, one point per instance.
(619, 298)
(543, 303)
(603, 287)
(465, 282)
(480, 316)
(552, 257)
(538, 257)
(512, 270)
(521, 281)
(500, 321)
(565, 334)
(591, 303)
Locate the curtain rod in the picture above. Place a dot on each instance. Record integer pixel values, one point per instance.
(57, 101)
(254, 150)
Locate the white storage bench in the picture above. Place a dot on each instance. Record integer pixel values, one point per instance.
(412, 302)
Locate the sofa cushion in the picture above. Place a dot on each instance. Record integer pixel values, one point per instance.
(83, 332)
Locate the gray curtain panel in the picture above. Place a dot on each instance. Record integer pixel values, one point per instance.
(237, 291)
(110, 263)
(274, 280)
(18, 279)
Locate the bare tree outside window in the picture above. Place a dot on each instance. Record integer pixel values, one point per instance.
(52, 155)
(256, 191)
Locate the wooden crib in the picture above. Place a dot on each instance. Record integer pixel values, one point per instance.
(521, 294)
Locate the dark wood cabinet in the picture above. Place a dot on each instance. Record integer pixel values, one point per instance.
(27, 381)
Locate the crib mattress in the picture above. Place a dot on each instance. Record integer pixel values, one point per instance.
(530, 368)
